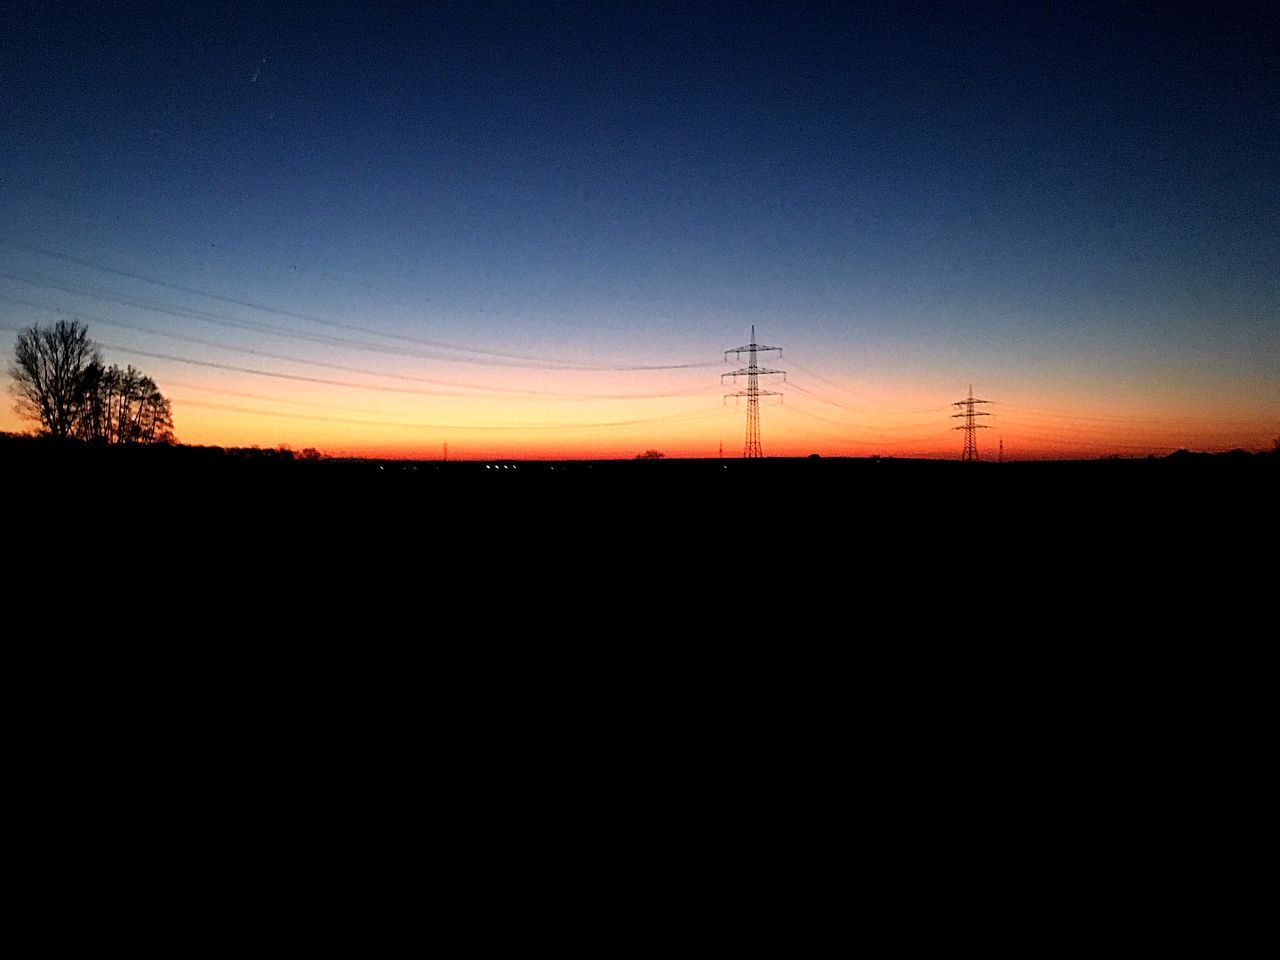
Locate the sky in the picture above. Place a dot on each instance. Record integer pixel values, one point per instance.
(532, 230)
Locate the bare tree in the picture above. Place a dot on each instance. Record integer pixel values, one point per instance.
(123, 406)
(60, 381)
(155, 416)
(49, 370)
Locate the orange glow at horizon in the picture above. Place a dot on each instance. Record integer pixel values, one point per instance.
(697, 427)
(578, 414)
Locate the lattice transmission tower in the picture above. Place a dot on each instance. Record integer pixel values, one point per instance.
(970, 427)
(753, 393)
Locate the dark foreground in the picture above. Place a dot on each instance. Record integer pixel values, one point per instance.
(844, 601)
(945, 650)
(752, 516)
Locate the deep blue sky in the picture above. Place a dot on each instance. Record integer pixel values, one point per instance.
(948, 192)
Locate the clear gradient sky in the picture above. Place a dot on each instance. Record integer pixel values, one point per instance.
(532, 230)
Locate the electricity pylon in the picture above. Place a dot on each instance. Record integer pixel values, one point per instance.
(970, 428)
(753, 393)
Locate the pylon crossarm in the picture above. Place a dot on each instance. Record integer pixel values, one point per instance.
(976, 413)
(747, 372)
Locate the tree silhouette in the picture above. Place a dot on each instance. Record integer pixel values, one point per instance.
(650, 455)
(123, 406)
(60, 381)
(49, 371)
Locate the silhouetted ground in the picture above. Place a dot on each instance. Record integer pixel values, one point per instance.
(700, 565)
(928, 511)
(941, 637)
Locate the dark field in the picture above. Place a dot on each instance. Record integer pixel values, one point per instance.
(733, 508)
(892, 595)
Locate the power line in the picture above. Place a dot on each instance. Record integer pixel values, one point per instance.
(792, 385)
(341, 408)
(863, 396)
(907, 445)
(178, 311)
(669, 418)
(287, 265)
(886, 441)
(132, 351)
(338, 324)
(481, 389)
(257, 411)
(799, 408)
(249, 395)
(1039, 412)
(183, 312)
